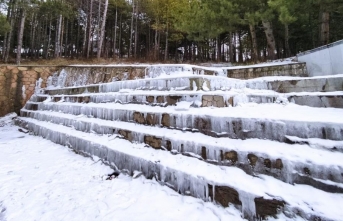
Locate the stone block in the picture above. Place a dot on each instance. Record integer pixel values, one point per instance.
(160, 99)
(172, 100)
(204, 153)
(150, 119)
(150, 99)
(15, 71)
(22, 68)
(165, 120)
(232, 156)
(278, 164)
(153, 141)
(267, 207)
(138, 118)
(126, 134)
(39, 70)
(224, 195)
(252, 159)
(10, 67)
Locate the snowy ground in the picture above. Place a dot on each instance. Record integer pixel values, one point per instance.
(40, 180)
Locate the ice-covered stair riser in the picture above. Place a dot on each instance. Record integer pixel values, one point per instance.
(194, 82)
(217, 126)
(196, 100)
(258, 197)
(72, 76)
(301, 172)
(181, 182)
(204, 100)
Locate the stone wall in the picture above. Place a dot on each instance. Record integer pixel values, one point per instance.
(293, 69)
(17, 84)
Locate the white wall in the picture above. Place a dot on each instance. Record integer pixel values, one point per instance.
(326, 60)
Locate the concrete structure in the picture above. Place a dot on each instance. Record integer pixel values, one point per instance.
(325, 60)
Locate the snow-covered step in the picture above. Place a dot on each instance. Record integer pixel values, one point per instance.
(171, 83)
(289, 163)
(264, 121)
(298, 84)
(257, 196)
(207, 99)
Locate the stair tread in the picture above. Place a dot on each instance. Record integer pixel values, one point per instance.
(246, 91)
(308, 199)
(290, 112)
(295, 153)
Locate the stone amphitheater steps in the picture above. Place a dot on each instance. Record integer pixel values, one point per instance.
(267, 121)
(208, 99)
(258, 197)
(253, 156)
(261, 90)
(212, 83)
(297, 84)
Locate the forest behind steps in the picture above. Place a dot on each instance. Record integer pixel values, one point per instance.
(166, 30)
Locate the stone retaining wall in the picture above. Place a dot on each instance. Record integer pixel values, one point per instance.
(293, 69)
(18, 83)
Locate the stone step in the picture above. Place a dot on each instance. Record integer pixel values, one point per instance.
(206, 99)
(257, 196)
(253, 156)
(172, 83)
(264, 121)
(210, 83)
(296, 84)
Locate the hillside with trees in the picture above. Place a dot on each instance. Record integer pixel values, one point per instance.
(167, 30)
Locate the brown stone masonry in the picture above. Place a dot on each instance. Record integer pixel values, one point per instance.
(17, 84)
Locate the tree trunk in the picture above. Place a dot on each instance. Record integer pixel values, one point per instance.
(120, 36)
(49, 39)
(115, 34)
(240, 54)
(89, 28)
(325, 28)
(166, 47)
(254, 43)
(288, 51)
(156, 45)
(20, 35)
(131, 28)
(58, 37)
(102, 30)
(136, 31)
(270, 39)
(10, 34)
(231, 48)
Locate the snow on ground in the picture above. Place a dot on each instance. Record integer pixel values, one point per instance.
(40, 180)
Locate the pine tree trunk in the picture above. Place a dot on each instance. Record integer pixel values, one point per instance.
(89, 28)
(20, 35)
(131, 28)
(136, 32)
(166, 47)
(219, 52)
(10, 34)
(288, 51)
(254, 43)
(58, 37)
(156, 45)
(270, 39)
(115, 33)
(325, 28)
(102, 30)
(49, 40)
